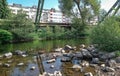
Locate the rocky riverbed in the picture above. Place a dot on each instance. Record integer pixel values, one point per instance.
(64, 61)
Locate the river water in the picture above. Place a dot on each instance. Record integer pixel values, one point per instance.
(47, 46)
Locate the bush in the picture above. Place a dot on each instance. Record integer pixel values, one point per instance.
(107, 35)
(5, 36)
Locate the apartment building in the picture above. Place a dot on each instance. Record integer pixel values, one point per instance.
(48, 15)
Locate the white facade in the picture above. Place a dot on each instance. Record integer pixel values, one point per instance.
(48, 15)
(30, 11)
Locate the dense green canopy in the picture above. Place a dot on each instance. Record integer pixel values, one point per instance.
(4, 11)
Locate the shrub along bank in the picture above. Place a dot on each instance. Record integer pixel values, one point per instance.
(107, 35)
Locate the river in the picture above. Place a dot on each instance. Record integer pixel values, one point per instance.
(47, 46)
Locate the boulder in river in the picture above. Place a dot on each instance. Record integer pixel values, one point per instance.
(8, 55)
(33, 68)
(86, 54)
(51, 60)
(68, 47)
(108, 69)
(6, 65)
(78, 55)
(95, 61)
(65, 59)
(20, 53)
(118, 59)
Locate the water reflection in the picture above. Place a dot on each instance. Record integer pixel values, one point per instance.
(46, 45)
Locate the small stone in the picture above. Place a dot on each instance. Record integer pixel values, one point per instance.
(50, 61)
(7, 65)
(62, 51)
(24, 55)
(85, 64)
(82, 46)
(32, 68)
(76, 66)
(20, 64)
(52, 66)
(88, 74)
(9, 61)
(102, 65)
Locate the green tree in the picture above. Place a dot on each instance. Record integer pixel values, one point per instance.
(19, 25)
(81, 11)
(4, 10)
(107, 35)
(84, 7)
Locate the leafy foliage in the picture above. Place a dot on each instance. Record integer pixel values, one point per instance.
(5, 36)
(4, 11)
(84, 8)
(19, 25)
(107, 35)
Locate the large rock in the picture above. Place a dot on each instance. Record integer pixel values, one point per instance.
(91, 48)
(111, 63)
(86, 54)
(111, 55)
(70, 55)
(95, 60)
(78, 55)
(20, 53)
(68, 47)
(108, 69)
(8, 55)
(118, 59)
(106, 56)
(103, 56)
